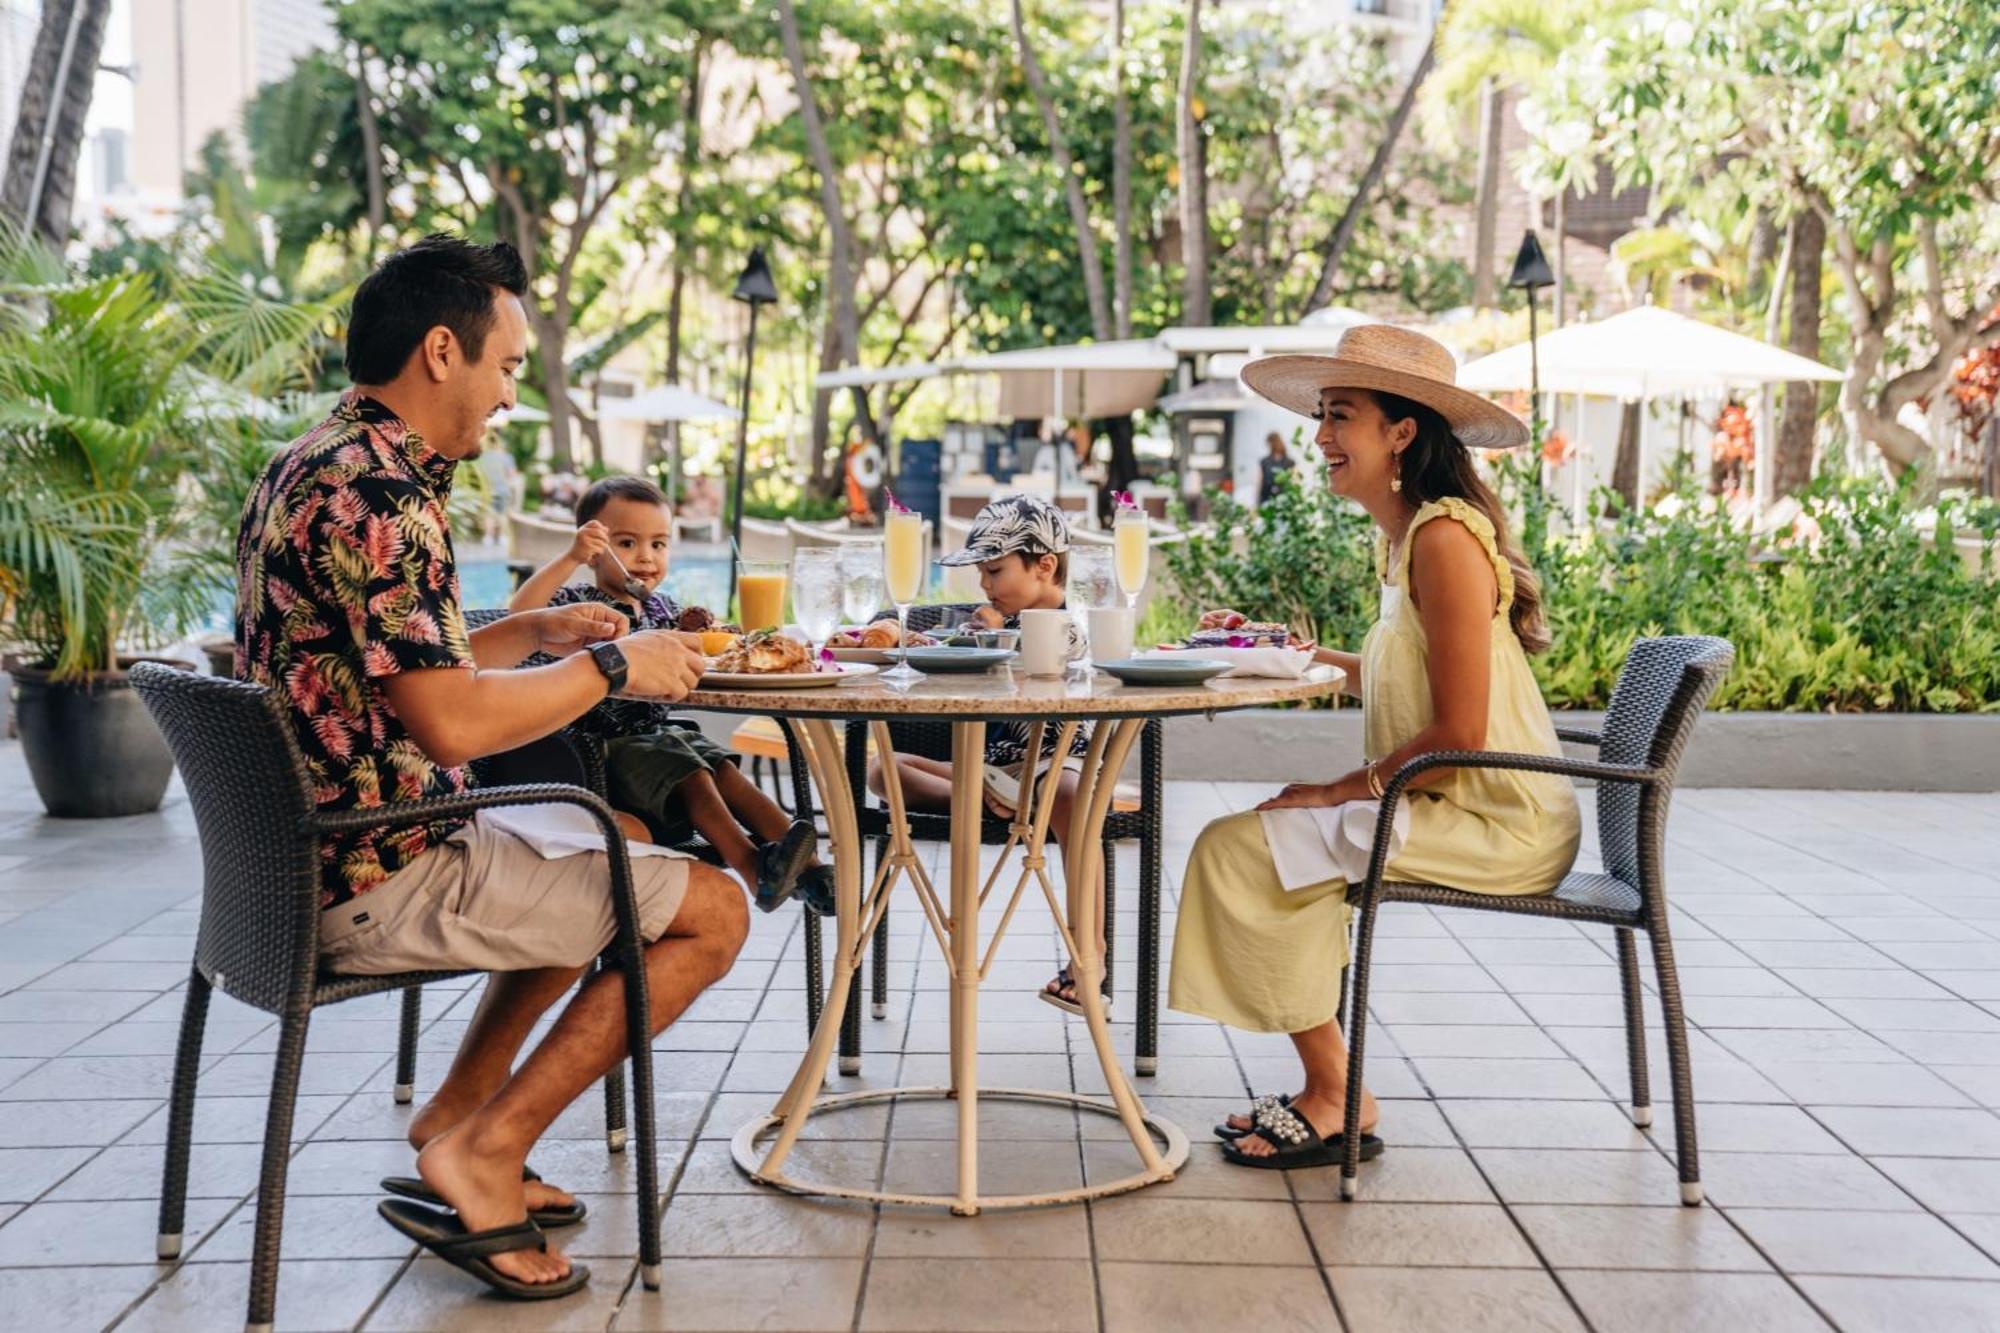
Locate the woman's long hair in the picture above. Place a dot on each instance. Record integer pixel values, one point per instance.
(1437, 465)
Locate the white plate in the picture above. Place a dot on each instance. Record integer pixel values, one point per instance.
(870, 656)
(783, 680)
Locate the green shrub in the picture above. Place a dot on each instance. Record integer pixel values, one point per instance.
(1856, 608)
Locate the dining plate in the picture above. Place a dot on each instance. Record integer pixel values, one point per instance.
(784, 680)
(959, 659)
(870, 656)
(1144, 671)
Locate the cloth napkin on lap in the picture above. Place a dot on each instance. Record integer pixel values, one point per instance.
(1277, 663)
(1313, 845)
(556, 831)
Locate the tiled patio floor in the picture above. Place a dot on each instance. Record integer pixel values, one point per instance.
(1841, 951)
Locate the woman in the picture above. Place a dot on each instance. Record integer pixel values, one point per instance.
(1262, 936)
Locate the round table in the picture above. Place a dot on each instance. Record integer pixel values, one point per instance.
(968, 702)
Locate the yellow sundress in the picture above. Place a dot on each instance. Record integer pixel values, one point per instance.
(1252, 955)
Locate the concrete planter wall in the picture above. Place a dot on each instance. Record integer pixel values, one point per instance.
(1852, 752)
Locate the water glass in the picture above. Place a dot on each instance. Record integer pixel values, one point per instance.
(1092, 584)
(816, 594)
(861, 590)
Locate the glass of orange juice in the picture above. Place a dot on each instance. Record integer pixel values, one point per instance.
(760, 594)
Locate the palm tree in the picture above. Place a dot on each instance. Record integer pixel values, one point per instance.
(55, 97)
(1491, 50)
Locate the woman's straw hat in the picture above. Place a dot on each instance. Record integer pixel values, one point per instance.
(1394, 360)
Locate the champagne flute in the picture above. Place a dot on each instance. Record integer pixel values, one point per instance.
(903, 567)
(1130, 539)
(816, 595)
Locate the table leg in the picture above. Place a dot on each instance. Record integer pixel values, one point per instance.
(968, 808)
(837, 800)
(1082, 854)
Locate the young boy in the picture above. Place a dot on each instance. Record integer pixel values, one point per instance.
(1021, 545)
(672, 779)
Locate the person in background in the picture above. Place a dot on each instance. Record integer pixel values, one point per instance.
(1274, 464)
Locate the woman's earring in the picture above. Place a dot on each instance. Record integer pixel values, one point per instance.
(1396, 481)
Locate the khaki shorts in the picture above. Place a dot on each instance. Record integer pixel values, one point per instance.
(486, 901)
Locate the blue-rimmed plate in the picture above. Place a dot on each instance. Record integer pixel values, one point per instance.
(1164, 671)
(958, 659)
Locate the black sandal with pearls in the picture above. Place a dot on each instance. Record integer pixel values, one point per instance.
(1297, 1143)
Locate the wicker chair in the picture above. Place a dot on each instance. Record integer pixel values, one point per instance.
(1654, 706)
(933, 740)
(258, 940)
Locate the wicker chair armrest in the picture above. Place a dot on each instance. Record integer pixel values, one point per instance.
(1580, 735)
(1392, 790)
(402, 814)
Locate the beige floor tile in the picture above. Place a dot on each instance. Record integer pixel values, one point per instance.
(1747, 1127)
(1864, 1244)
(1544, 1175)
(1402, 1175)
(1782, 1180)
(1205, 1175)
(1471, 1300)
(1669, 1237)
(1198, 1231)
(711, 1169)
(1042, 1233)
(930, 1166)
(1449, 1235)
(1891, 1305)
(110, 1232)
(1147, 1298)
(316, 1227)
(980, 1295)
(1543, 1124)
(433, 1297)
(725, 1295)
(747, 1226)
(1691, 1303)
(52, 1298)
(329, 1294)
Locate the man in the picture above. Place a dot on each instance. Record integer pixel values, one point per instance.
(1274, 464)
(348, 604)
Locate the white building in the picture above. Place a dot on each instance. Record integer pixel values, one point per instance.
(197, 62)
(18, 21)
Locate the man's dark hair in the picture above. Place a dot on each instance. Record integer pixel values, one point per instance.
(439, 280)
(617, 488)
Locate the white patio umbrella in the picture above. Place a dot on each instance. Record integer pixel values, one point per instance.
(662, 402)
(1644, 353)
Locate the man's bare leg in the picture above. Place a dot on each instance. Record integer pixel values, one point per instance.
(476, 1165)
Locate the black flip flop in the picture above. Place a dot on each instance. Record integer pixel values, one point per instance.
(548, 1218)
(1228, 1133)
(1068, 981)
(446, 1237)
(1298, 1144)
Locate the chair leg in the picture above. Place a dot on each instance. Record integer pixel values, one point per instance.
(406, 1045)
(879, 948)
(1110, 909)
(639, 1050)
(1635, 1029)
(270, 1229)
(615, 1134)
(1357, 1046)
(815, 970)
(180, 1118)
(1686, 1153)
(1146, 1041)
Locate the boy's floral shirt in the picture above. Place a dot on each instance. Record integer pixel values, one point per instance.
(345, 576)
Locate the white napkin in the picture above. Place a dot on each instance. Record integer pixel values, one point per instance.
(556, 831)
(1313, 845)
(1277, 663)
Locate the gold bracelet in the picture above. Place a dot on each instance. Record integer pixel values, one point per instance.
(1374, 782)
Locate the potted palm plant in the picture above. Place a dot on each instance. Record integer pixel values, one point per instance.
(110, 425)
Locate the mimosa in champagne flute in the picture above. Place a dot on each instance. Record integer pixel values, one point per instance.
(1129, 541)
(904, 560)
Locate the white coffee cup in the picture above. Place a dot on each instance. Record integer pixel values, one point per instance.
(1110, 633)
(1045, 642)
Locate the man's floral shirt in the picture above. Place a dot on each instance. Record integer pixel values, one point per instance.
(345, 576)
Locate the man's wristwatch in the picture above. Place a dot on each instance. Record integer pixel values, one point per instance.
(610, 660)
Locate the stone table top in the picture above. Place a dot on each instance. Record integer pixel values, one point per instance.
(1009, 693)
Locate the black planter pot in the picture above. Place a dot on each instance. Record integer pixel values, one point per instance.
(92, 748)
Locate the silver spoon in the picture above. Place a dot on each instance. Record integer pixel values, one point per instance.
(633, 588)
